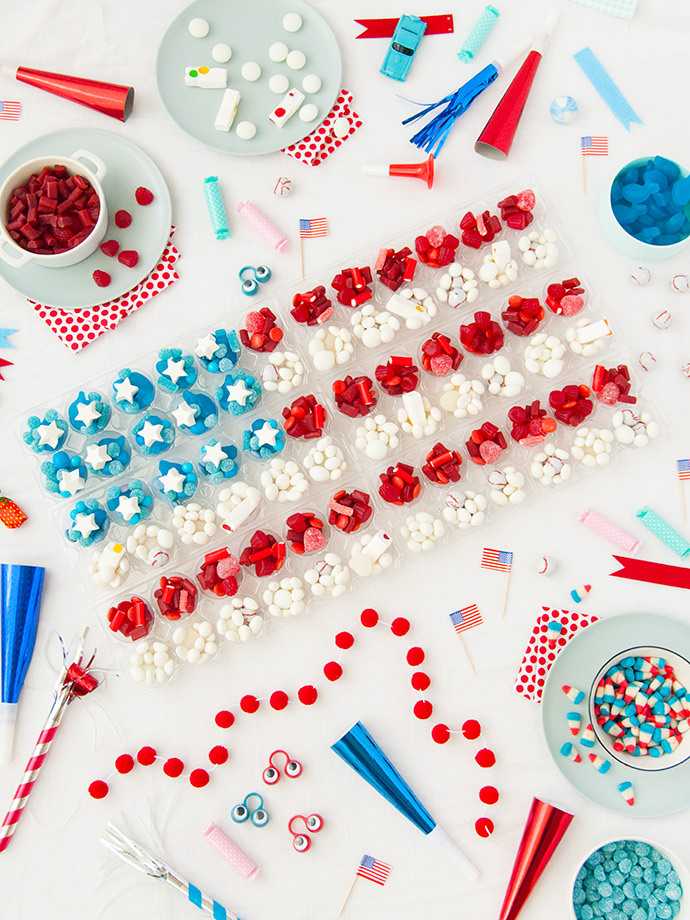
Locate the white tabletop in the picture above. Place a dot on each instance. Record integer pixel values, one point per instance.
(55, 866)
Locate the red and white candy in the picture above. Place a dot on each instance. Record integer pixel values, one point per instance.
(240, 620)
(417, 416)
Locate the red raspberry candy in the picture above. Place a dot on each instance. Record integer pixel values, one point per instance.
(131, 618)
(437, 248)
(440, 356)
(482, 337)
(123, 219)
(128, 257)
(265, 553)
(352, 286)
(530, 423)
(572, 404)
(398, 376)
(218, 573)
(516, 210)
(565, 299)
(399, 485)
(109, 248)
(143, 195)
(175, 596)
(612, 385)
(311, 307)
(354, 395)
(305, 533)
(304, 418)
(486, 444)
(349, 510)
(523, 315)
(261, 333)
(101, 278)
(395, 268)
(442, 465)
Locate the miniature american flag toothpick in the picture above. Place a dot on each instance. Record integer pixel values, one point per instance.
(499, 560)
(462, 620)
(369, 868)
(683, 469)
(592, 146)
(310, 228)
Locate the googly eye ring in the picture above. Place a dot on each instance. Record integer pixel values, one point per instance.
(302, 841)
(292, 768)
(243, 811)
(250, 285)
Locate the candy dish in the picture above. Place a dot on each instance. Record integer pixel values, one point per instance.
(657, 793)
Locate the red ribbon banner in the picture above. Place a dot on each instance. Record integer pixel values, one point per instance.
(675, 576)
(384, 28)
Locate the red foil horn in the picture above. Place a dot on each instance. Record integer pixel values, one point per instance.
(544, 829)
(110, 98)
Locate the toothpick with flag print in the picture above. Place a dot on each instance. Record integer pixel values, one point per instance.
(683, 467)
(9, 110)
(464, 619)
(592, 147)
(499, 560)
(370, 868)
(309, 228)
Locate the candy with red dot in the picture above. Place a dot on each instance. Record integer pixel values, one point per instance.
(485, 758)
(484, 827)
(224, 719)
(173, 767)
(124, 763)
(146, 756)
(199, 778)
(218, 754)
(98, 789)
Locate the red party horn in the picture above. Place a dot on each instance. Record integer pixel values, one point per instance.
(544, 829)
(110, 98)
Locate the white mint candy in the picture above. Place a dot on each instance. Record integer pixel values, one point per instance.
(279, 84)
(308, 112)
(311, 83)
(296, 60)
(221, 53)
(246, 130)
(251, 71)
(292, 22)
(278, 52)
(198, 28)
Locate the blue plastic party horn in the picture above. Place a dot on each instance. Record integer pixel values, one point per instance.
(358, 749)
(20, 598)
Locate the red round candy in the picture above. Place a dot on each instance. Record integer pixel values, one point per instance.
(420, 680)
(278, 700)
(344, 640)
(98, 789)
(146, 756)
(471, 729)
(423, 709)
(124, 763)
(224, 719)
(485, 757)
(307, 695)
(218, 754)
(199, 778)
(173, 767)
(488, 795)
(484, 827)
(369, 618)
(122, 219)
(249, 703)
(440, 733)
(400, 626)
(143, 195)
(415, 656)
(332, 670)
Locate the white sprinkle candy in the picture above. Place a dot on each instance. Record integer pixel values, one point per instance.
(195, 644)
(285, 598)
(421, 531)
(328, 577)
(240, 620)
(325, 461)
(151, 663)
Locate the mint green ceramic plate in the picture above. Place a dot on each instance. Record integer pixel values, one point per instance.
(659, 793)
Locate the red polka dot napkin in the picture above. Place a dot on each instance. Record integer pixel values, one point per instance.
(538, 657)
(323, 141)
(77, 328)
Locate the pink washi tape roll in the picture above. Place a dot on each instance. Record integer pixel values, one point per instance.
(231, 853)
(609, 531)
(262, 225)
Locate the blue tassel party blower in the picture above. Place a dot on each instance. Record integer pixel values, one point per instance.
(358, 749)
(20, 599)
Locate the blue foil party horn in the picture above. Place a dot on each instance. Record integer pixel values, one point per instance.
(359, 750)
(20, 598)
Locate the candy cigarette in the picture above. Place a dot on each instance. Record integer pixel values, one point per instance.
(287, 107)
(609, 531)
(227, 111)
(206, 77)
(262, 225)
(377, 546)
(664, 532)
(241, 513)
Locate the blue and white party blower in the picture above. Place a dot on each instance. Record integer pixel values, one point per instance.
(20, 598)
(358, 749)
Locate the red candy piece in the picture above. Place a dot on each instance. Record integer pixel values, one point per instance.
(440, 733)
(423, 709)
(400, 626)
(486, 444)
(101, 278)
(369, 618)
(98, 789)
(143, 195)
(307, 695)
(173, 767)
(312, 307)
(440, 356)
(484, 827)
(278, 700)
(261, 333)
(395, 268)
(110, 247)
(146, 756)
(249, 704)
(530, 423)
(344, 640)
(218, 573)
(218, 755)
(175, 596)
(480, 229)
(122, 219)
(352, 286)
(224, 718)
(612, 385)
(354, 395)
(572, 404)
(305, 533)
(124, 763)
(398, 376)
(305, 418)
(442, 465)
(132, 618)
(482, 337)
(332, 670)
(488, 795)
(128, 257)
(265, 553)
(471, 729)
(415, 656)
(485, 758)
(349, 510)
(399, 485)
(523, 315)
(437, 248)
(199, 778)
(565, 299)
(516, 210)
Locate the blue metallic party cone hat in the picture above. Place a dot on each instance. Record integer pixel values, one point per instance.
(358, 749)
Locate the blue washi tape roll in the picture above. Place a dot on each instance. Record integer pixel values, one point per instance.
(216, 208)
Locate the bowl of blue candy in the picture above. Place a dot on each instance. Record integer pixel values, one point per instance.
(634, 879)
(646, 211)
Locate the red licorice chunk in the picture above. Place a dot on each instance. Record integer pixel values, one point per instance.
(312, 307)
(395, 268)
(399, 485)
(261, 332)
(530, 423)
(437, 248)
(486, 444)
(352, 286)
(482, 337)
(523, 315)
(398, 376)
(479, 229)
(175, 596)
(516, 210)
(612, 385)
(565, 298)
(265, 553)
(131, 618)
(143, 195)
(218, 573)
(442, 465)
(348, 511)
(572, 404)
(354, 395)
(439, 355)
(304, 418)
(101, 278)
(305, 533)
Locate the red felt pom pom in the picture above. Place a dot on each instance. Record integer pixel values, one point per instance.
(488, 795)
(415, 656)
(344, 640)
(218, 754)
(307, 695)
(471, 729)
(173, 767)
(423, 709)
(143, 195)
(146, 756)
(224, 719)
(400, 626)
(124, 763)
(199, 778)
(440, 733)
(369, 618)
(98, 789)
(485, 757)
(420, 680)
(123, 219)
(484, 827)
(332, 670)
(249, 703)
(279, 700)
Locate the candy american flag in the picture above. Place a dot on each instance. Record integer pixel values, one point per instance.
(373, 869)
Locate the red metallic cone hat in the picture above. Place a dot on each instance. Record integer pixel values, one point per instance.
(109, 98)
(544, 830)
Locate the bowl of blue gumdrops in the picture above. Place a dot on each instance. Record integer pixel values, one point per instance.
(631, 879)
(646, 211)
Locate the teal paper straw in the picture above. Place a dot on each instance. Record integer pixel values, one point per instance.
(664, 532)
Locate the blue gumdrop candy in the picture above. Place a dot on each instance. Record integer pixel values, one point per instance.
(649, 234)
(634, 193)
(646, 220)
(667, 167)
(656, 175)
(680, 191)
(673, 224)
(629, 175)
